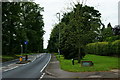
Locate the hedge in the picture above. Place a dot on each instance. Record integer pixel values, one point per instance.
(104, 48)
(116, 47)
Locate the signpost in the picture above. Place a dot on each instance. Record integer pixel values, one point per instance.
(26, 57)
(26, 42)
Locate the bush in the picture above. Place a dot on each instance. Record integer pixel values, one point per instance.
(113, 38)
(99, 48)
(116, 47)
(104, 48)
(90, 48)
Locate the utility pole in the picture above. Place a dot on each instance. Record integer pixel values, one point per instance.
(59, 34)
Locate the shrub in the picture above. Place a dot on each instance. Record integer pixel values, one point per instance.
(104, 48)
(116, 47)
(101, 48)
(112, 38)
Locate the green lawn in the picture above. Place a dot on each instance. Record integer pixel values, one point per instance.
(101, 63)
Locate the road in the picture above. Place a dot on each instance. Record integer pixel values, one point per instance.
(14, 61)
(31, 71)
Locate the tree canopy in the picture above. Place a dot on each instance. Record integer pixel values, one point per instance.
(22, 21)
(77, 28)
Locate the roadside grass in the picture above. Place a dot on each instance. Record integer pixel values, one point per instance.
(23, 54)
(101, 63)
(7, 58)
(12, 57)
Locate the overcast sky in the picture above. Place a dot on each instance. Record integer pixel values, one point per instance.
(108, 9)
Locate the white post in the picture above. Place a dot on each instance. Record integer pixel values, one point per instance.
(21, 49)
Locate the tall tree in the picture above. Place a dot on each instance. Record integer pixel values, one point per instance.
(106, 32)
(78, 27)
(19, 20)
(116, 30)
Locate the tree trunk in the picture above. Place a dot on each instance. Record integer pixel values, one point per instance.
(79, 55)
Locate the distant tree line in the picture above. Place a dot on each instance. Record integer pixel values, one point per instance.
(78, 28)
(22, 21)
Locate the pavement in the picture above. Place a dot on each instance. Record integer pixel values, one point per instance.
(53, 71)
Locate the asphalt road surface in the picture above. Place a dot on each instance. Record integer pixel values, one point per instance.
(31, 71)
(13, 61)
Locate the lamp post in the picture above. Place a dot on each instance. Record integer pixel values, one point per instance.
(59, 34)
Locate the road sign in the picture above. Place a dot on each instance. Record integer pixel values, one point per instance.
(26, 42)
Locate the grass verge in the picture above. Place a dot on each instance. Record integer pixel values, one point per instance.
(12, 57)
(25, 54)
(8, 58)
(101, 63)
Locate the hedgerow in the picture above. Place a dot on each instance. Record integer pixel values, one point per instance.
(104, 48)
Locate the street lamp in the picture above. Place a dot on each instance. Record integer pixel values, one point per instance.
(58, 16)
(59, 34)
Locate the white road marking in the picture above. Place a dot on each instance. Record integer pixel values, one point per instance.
(42, 76)
(34, 59)
(11, 64)
(26, 63)
(95, 76)
(44, 68)
(16, 66)
(11, 68)
(46, 64)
